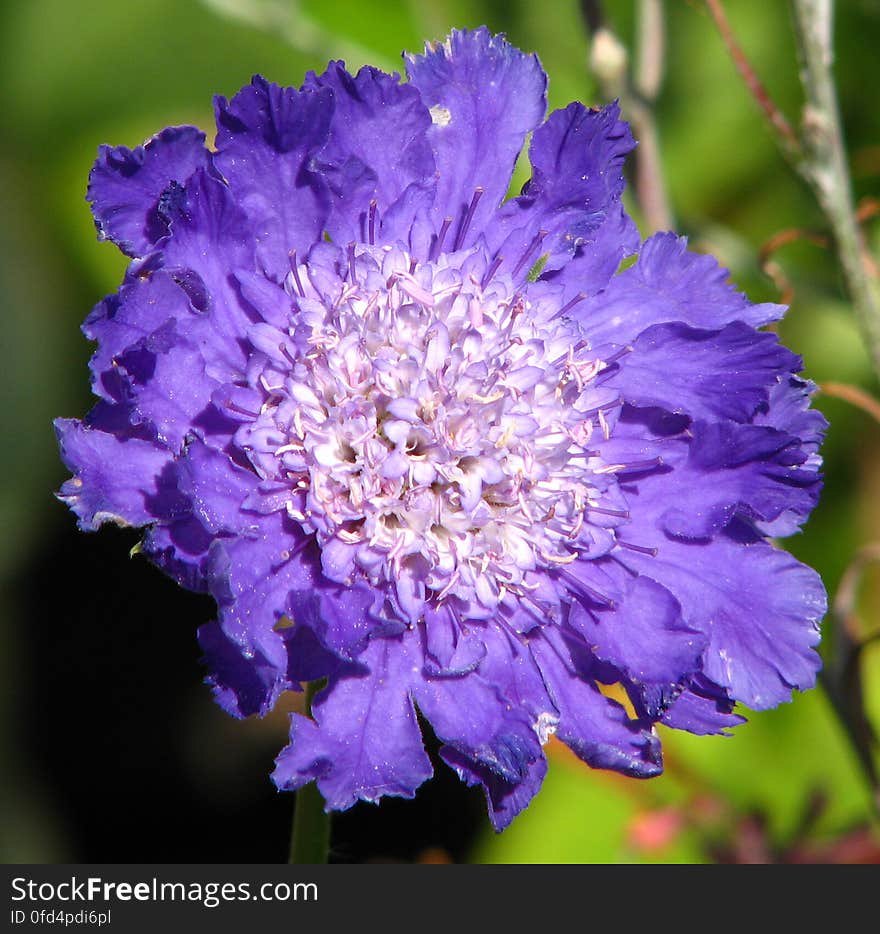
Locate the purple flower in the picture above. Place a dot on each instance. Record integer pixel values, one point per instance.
(431, 445)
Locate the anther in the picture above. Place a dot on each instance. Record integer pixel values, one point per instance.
(575, 348)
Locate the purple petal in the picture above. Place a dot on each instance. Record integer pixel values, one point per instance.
(377, 148)
(210, 238)
(125, 185)
(505, 798)
(644, 635)
(128, 319)
(484, 97)
(596, 728)
(266, 136)
(449, 651)
(487, 740)
(731, 470)
(251, 577)
(151, 343)
(216, 488)
(704, 374)
(596, 259)
(116, 478)
(702, 709)
(577, 180)
(667, 284)
(340, 616)
(759, 607)
(710, 473)
(180, 549)
(788, 410)
(364, 742)
(244, 683)
(267, 298)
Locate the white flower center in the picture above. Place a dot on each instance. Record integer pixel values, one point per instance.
(434, 434)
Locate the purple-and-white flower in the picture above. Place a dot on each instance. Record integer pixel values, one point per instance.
(431, 445)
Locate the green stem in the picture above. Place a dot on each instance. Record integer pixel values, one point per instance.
(310, 841)
(824, 164)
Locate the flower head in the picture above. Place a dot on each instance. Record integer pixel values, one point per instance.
(431, 445)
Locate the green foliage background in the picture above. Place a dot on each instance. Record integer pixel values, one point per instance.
(76, 74)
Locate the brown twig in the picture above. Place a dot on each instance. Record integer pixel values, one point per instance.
(817, 152)
(782, 129)
(773, 269)
(855, 396)
(650, 65)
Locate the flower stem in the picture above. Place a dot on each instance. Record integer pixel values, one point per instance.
(609, 62)
(824, 165)
(650, 185)
(310, 840)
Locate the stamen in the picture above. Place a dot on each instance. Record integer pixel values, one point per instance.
(614, 513)
(437, 248)
(569, 355)
(490, 272)
(372, 344)
(536, 242)
(297, 550)
(295, 270)
(412, 288)
(606, 407)
(569, 305)
(239, 410)
(641, 549)
(469, 216)
(631, 467)
(545, 613)
(643, 465)
(371, 227)
(584, 589)
(622, 352)
(448, 588)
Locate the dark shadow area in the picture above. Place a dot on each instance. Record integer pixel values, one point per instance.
(139, 763)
